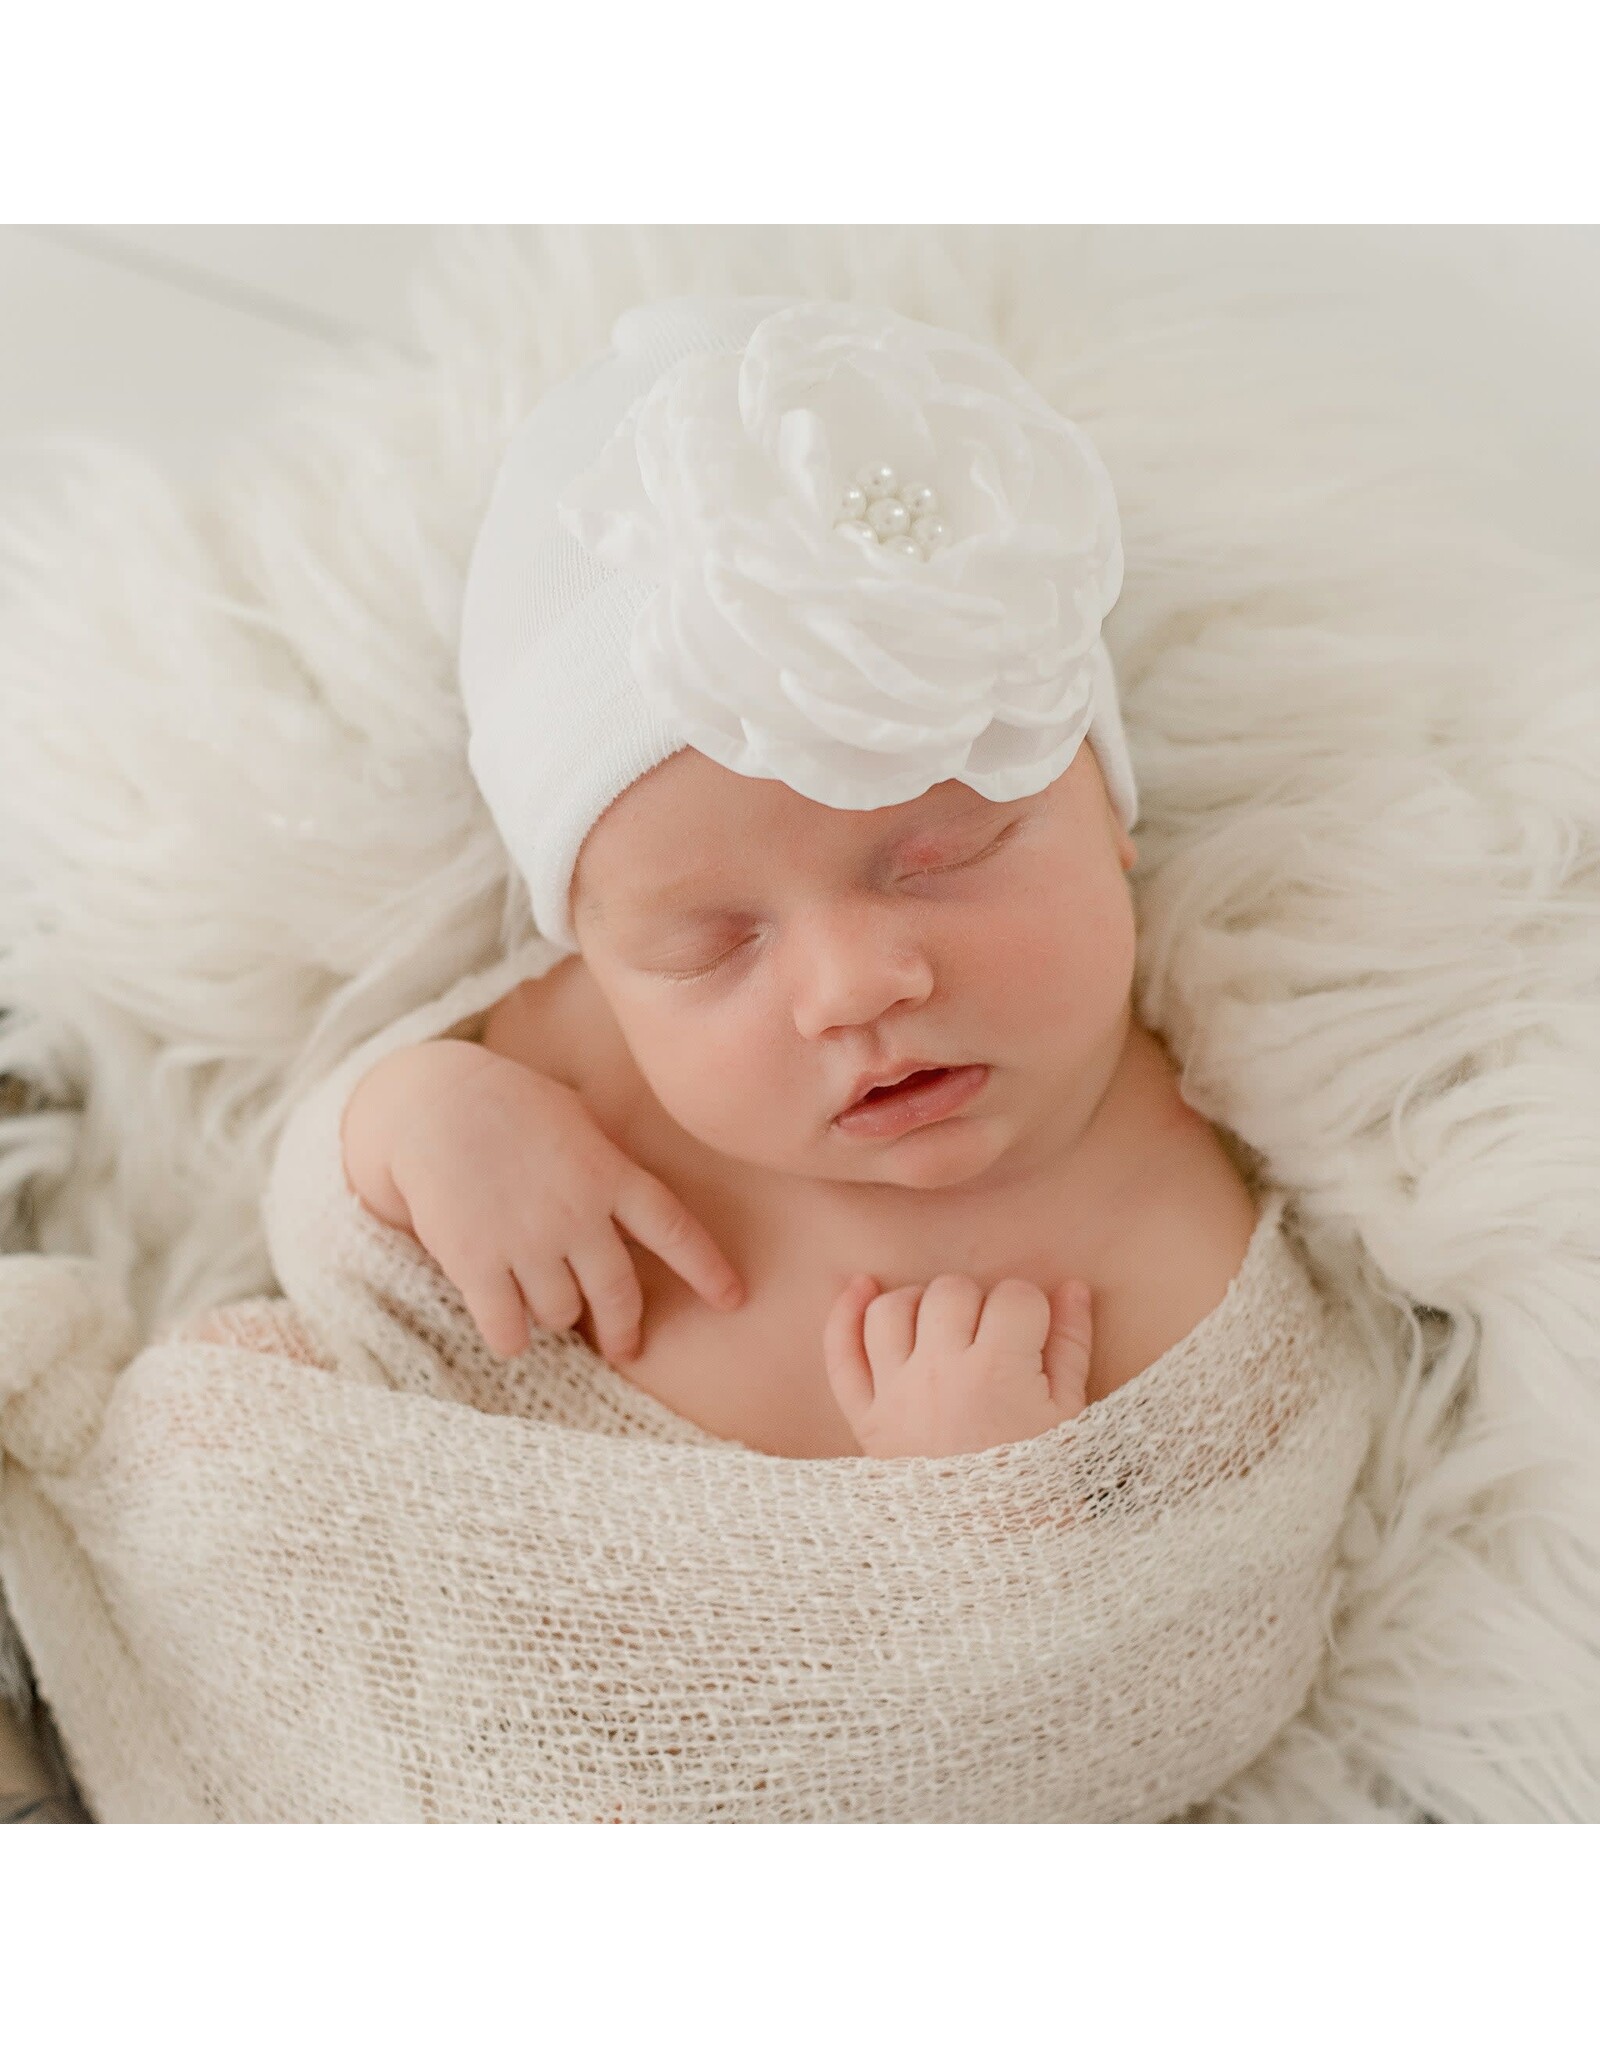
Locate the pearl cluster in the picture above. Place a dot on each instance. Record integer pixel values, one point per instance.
(904, 518)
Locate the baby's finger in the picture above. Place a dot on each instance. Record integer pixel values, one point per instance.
(844, 1354)
(610, 1282)
(947, 1318)
(1015, 1319)
(551, 1292)
(496, 1305)
(890, 1328)
(649, 1211)
(1066, 1349)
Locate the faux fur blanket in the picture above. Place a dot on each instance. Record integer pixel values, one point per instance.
(238, 836)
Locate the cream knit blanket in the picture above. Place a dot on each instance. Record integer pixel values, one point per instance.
(325, 1558)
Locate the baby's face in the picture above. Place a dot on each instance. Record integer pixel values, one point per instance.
(761, 952)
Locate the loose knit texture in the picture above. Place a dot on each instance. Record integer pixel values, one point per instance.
(323, 1557)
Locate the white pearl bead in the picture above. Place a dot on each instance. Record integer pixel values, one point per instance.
(933, 533)
(919, 499)
(858, 527)
(903, 544)
(887, 517)
(853, 504)
(878, 480)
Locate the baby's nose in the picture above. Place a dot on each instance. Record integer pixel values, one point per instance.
(850, 982)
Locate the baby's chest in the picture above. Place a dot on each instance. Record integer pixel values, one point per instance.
(757, 1375)
(754, 1376)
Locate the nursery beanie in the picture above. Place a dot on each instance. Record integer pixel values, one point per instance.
(818, 542)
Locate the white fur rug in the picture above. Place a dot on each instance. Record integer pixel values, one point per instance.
(237, 835)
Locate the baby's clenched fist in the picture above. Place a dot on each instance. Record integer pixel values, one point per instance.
(930, 1372)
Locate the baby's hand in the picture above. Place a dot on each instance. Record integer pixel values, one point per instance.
(930, 1372)
(505, 1178)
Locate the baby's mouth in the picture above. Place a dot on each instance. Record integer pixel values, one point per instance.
(900, 1087)
(926, 1096)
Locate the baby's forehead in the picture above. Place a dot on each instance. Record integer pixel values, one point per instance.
(764, 822)
(692, 827)
(699, 833)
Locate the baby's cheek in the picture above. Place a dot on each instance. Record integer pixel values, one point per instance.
(719, 1095)
(1075, 968)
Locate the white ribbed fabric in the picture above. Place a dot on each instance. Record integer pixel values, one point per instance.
(559, 724)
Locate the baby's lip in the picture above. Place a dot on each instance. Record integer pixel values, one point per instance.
(886, 1077)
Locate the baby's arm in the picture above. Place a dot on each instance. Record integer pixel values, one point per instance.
(373, 1113)
(392, 1094)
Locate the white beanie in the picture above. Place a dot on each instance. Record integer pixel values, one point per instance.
(816, 541)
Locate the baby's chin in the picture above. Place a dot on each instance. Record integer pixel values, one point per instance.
(954, 1154)
(938, 1157)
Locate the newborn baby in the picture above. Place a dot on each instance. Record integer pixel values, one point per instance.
(655, 1142)
(835, 1133)
(816, 1103)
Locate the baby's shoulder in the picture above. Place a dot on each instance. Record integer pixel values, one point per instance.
(535, 1024)
(1181, 1243)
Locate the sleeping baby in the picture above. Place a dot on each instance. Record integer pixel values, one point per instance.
(777, 1346)
(833, 1129)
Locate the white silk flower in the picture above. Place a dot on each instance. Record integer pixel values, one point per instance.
(882, 559)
